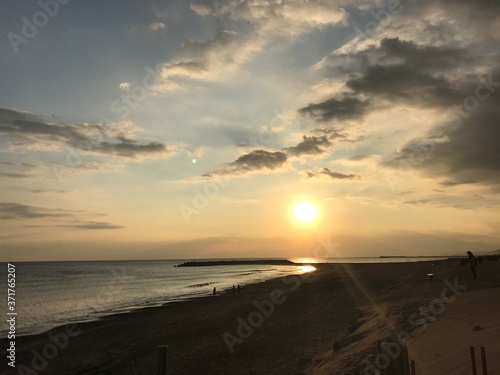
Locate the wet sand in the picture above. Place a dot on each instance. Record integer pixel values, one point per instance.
(281, 326)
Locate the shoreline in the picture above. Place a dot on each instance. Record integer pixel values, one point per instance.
(137, 308)
(95, 315)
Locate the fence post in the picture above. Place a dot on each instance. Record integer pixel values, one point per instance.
(484, 362)
(162, 359)
(473, 359)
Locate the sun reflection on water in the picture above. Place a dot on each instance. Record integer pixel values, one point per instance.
(306, 269)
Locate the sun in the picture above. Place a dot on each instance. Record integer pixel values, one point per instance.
(305, 212)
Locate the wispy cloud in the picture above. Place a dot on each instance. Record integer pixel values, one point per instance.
(329, 173)
(13, 211)
(95, 225)
(257, 160)
(101, 139)
(309, 146)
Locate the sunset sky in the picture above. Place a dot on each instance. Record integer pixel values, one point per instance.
(177, 129)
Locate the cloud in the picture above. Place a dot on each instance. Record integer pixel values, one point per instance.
(156, 26)
(14, 175)
(95, 225)
(12, 211)
(125, 86)
(114, 139)
(309, 146)
(257, 160)
(17, 170)
(292, 17)
(395, 72)
(214, 59)
(469, 152)
(343, 108)
(438, 68)
(40, 191)
(202, 8)
(329, 173)
(360, 157)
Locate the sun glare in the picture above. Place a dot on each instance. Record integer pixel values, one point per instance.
(305, 212)
(306, 269)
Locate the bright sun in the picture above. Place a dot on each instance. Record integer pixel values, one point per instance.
(304, 212)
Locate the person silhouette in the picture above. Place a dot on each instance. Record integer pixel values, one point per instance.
(234, 290)
(215, 291)
(472, 264)
(239, 288)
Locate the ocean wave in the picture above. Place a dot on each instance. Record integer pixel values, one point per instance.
(199, 285)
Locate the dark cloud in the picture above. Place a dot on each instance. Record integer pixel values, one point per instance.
(466, 148)
(12, 211)
(343, 108)
(422, 57)
(257, 160)
(332, 133)
(39, 191)
(95, 225)
(14, 175)
(88, 137)
(470, 152)
(395, 70)
(332, 174)
(129, 148)
(309, 146)
(404, 83)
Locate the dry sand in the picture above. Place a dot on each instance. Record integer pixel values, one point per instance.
(353, 305)
(439, 333)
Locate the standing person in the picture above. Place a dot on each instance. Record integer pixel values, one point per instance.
(234, 290)
(472, 263)
(215, 291)
(239, 288)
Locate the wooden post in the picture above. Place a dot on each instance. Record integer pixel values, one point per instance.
(413, 367)
(484, 362)
(162, 359)
(473, 359)
(406, 360)
(379, 346)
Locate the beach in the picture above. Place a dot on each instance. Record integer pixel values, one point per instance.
(287, 326)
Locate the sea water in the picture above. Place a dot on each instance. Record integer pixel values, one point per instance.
(49, 294)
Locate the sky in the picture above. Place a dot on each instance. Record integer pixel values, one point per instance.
(191, 129)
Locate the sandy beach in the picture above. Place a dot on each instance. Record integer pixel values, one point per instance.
(289, 326)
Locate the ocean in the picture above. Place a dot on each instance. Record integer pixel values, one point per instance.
(49, 294)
